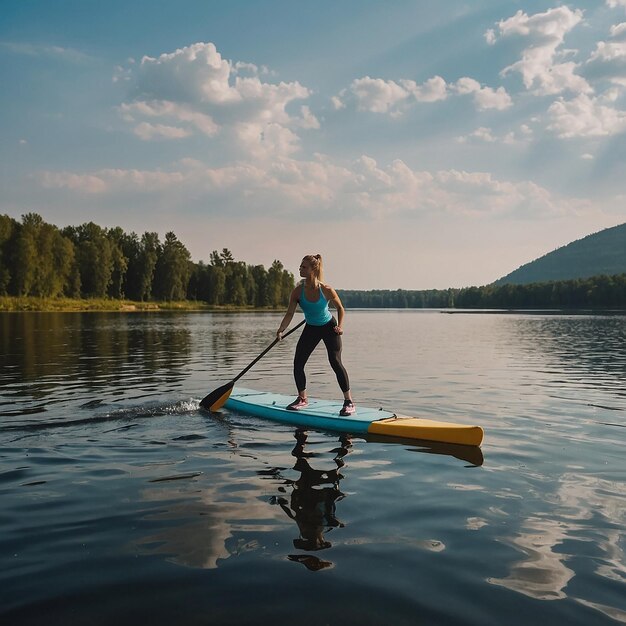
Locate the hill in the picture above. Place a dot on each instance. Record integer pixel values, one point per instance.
(601, 253)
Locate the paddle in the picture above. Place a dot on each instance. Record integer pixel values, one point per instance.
(217, 398)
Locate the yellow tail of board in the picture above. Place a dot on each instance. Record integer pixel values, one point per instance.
(429, 430)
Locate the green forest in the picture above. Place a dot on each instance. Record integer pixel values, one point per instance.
(88, 261)
(38, 259)
(595, 292)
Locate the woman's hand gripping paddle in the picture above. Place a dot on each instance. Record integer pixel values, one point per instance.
(217, 398)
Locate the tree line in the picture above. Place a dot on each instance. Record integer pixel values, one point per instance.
(595, 292)
(88, 261)
(398, 299)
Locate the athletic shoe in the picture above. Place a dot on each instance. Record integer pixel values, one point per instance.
(348, 408)
(297, 404)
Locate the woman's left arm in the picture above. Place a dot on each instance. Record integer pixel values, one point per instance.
(333, 298)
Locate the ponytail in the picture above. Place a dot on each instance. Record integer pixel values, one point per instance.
(316, 263)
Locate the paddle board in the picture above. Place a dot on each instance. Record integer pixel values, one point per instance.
(324, 414)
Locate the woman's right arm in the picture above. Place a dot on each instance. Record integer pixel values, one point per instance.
(293, 302)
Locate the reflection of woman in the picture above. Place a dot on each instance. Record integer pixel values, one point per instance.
(313, 502)
(314, 297)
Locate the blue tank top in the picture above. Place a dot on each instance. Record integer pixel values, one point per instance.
(315, 313)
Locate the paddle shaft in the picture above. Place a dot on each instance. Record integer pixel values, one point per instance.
(234, 380)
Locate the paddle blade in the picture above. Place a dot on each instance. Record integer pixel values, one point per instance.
(217, 398)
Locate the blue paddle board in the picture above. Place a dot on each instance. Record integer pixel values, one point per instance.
(324, 415)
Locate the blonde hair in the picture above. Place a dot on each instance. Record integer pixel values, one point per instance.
(315, 260)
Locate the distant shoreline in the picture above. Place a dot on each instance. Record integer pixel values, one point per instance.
(14, 304)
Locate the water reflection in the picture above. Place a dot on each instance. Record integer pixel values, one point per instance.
(578, 351)
(312, 504)
(43, 344)
(203, 521)
(588, 510)
(46, 357)
(471, 454)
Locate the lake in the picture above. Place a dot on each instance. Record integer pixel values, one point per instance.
(123, 501)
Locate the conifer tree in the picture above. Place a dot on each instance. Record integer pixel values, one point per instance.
(8, 229)
(172, 269)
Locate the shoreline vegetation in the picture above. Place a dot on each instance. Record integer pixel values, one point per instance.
(15, 304)
(599, 293)
(95, 264)
(90, 268)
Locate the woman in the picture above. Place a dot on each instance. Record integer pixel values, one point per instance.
(314, 297)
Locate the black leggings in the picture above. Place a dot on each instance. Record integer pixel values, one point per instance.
(310, 337)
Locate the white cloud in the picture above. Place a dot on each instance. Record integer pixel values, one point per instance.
(307, 119)
(584, 116)
(193, 74)
(198, 76)
(399, 189)
(547, 28)
(241, 67)
(616, 3)
(484, 97)
(539, 68)
(69, 55)
(196, 89)
(112, 181)
(587, 157)
(609, 51)
(87, 183)
(486, 135)
(482, 134)
(179, 113)
(610, 95)
(377, 95)
(337, 102)
(147, 131)
(608, 60)
(618, 31)
(262, 141)
(432, 90)
(289, 187)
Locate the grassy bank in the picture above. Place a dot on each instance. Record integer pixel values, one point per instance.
(11, 303)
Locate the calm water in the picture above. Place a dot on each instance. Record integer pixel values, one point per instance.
(122, 501)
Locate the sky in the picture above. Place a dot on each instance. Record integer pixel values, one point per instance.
(414, 144)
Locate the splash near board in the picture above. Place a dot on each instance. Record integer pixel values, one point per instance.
(324, 414)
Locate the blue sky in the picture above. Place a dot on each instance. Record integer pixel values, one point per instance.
(413, 144)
